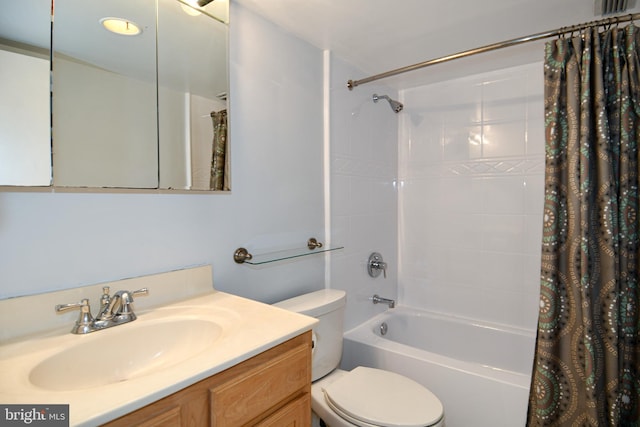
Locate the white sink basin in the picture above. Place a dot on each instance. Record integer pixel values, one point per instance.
(108, 373)
(124, 352)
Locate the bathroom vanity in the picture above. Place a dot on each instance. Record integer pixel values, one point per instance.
(270, 389)
(210, 358)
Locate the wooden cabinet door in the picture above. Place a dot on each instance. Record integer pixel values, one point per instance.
(186, 408)
(259, 390)
(295, 414)
(169, 418)
(270, 389)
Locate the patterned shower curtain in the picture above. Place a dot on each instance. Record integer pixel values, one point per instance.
(587, 361)
(219, 157)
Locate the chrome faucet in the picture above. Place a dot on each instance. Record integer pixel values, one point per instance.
(377, 299)
(118, 308)
(114, 310)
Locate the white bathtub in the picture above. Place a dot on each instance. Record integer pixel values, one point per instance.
(480, 371)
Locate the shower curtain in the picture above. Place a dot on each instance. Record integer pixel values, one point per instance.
(219, 158)
(586, 367)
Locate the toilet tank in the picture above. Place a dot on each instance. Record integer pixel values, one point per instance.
(326, 305)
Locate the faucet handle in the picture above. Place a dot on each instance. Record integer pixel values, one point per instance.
(140, 292)
(82, 305)
(382, 266)
(376, 264)
(126, 298)
(83, 324)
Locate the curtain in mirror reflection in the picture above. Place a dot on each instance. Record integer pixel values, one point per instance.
(220, 159)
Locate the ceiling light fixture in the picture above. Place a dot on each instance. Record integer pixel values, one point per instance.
(190, 7)
(121, 26)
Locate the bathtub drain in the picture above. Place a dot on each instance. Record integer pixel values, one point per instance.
(383, 328)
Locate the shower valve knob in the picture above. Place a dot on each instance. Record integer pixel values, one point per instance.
(376, 265)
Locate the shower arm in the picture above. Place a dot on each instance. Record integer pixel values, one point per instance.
(395, 105)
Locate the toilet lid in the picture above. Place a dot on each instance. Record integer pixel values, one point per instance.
(374, 397)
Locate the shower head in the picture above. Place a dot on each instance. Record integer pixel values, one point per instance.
(395, 105)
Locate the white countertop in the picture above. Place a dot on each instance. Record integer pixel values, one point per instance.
(248, 328)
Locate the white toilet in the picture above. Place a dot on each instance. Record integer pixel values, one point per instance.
(364, 397)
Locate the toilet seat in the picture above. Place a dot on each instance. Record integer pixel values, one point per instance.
(369, 397)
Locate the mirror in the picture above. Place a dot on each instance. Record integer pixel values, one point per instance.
(193, 86)
(132, 111)
(104, 96)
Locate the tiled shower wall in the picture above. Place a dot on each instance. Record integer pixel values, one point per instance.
(471, 170)
(363, 196)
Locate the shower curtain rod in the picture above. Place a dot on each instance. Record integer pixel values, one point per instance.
(533, 37)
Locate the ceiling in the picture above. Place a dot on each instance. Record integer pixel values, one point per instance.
(374, 35)
(186, 44)
(381, 35)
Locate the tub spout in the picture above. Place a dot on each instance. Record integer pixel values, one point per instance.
(377, 299)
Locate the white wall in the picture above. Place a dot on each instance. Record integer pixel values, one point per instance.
(105, 135)
(173, 137)
(51, 241)
(471, 198)
(363, 171)
(24, 85)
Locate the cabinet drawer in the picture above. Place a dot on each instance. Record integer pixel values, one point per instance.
(295, 414)
(264, 387)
